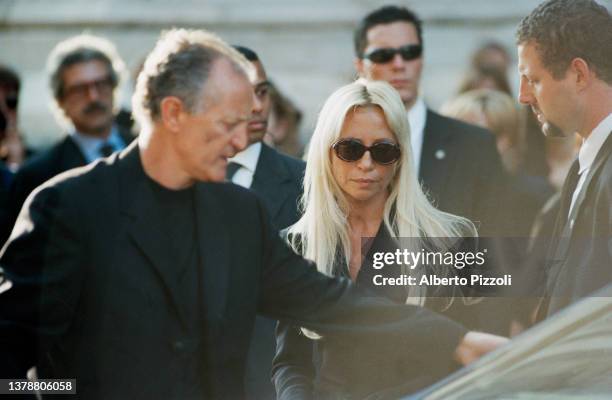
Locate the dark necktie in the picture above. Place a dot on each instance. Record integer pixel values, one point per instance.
(106, 149)
(568, 189)
(232, 168)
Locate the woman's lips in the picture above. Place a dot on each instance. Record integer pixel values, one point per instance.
(364, 181)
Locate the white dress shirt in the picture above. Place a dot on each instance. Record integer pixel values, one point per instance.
(416, 118)
(588, 151)
(247, 159)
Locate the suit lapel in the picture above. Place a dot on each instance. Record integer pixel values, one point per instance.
(214, 242)
(602, 156)
(565, 225)
(72, 156)
(139, 205)
(269, 178)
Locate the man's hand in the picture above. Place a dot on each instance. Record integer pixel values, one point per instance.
(476, 344)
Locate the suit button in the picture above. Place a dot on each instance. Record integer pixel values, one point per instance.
(178, 345)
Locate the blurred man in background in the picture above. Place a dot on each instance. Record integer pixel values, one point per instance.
(84, 72)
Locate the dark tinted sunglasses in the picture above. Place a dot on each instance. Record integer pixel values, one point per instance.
(351, 150)
(386, 54)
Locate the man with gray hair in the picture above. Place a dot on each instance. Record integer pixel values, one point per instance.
(84, 73)
(140, 275)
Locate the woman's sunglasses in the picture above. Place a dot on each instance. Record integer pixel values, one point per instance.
(381, 56)
(351, 150)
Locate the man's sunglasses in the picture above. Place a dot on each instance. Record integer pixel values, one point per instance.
(351, 150)
(384, 55)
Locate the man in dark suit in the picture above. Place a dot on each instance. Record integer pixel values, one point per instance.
(277, 180)
(140, 275)
(564, 49)
(84, 73)
(457, 163)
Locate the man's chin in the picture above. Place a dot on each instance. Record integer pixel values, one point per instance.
(553, 131)
(256, 136)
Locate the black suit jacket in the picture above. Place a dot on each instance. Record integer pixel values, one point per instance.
(461, 171)
(95, 293)
(581, 257)
(278, 181)
(61, 157)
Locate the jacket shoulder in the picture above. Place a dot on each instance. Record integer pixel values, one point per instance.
(78, 181)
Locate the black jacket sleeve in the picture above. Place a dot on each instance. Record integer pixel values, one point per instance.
(43, 264)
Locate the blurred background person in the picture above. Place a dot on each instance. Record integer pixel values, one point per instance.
(84, 72)
(493, 55)
(525, 196)
(284, 123)
(361, 183)
(488, 69)
(485, 77)
(499, 113)
(12, 148)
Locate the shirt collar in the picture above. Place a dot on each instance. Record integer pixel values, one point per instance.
(248, 157)
(591, 145)
(90, 145)
(417, 115)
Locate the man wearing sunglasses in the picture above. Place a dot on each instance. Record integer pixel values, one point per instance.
(84, 72)
(457, 163)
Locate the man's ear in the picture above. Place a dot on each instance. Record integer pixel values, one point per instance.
(171, 109)
(359, 67)
(583, 74)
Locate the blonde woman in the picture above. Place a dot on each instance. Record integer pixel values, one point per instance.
(360, 183)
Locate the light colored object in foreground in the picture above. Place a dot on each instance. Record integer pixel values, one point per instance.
(568, 356)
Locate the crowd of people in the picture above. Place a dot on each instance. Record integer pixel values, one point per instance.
(180, 250)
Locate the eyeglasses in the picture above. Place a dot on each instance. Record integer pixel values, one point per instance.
(103, 86)
(384, 55)
(351, 150)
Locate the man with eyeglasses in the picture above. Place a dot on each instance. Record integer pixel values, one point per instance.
(457, 163)
(84, 72)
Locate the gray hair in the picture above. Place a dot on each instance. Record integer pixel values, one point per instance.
(79, 49)
(179, 66)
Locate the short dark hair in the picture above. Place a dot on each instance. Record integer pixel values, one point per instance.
(80, 49)
(384, 15)
(562, 30)
(9, 78)
(247, 53)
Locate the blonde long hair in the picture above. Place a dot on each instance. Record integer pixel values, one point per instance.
(407, 212)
